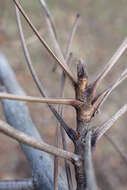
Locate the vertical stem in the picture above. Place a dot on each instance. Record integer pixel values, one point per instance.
(81, 125)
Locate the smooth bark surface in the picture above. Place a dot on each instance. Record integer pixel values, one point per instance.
(17, 115)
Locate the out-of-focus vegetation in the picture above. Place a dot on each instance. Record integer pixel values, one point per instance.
(101, 30)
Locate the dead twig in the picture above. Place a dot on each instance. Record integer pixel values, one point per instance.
(101, 98)
(93, 87)
(31, 141)
(68, 101)
(49, 16)
(64, 67)
(33, 73)
(90, 176)
(71, 37)
(101, 130)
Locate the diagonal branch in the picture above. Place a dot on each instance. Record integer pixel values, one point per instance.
(34, 75)
(100, 131)
(37, 144)
(88, 165)
(70, 132)
(101, 98)
(71, 37)
(49, 16)
(54, 41)
(63, 66)
(108, 67)
(68, 101)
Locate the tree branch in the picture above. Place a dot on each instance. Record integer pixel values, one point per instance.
(17, 115)
(64, 101)
(64, 67)
(101, 98)
(71, 37)
(49, 16)
(60, 111)
(108, 67)
(36, 80)
(40, 145)
(60, 108)
(88, 165)
(100, 131)
(54, 41)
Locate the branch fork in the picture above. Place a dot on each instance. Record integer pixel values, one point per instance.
(86, 104)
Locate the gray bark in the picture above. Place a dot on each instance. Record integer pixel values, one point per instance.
(17, 115)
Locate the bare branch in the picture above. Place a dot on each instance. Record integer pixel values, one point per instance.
(116, 147)
(64, 67)
(68, 57)
(25, 184)
(26, 53)
(108, 67)
(55, 43)
(100, 131)
(49, 16)
(56, 160)
(39, 100)
(71, 37)
(70, 132)
(60, 108)
(56, 172)
(101, 98)
(17, 115)
(88, 165)
(61, 112)
(36, 80)
(31, 141)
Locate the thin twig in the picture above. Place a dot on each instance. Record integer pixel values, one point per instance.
(64, 67)
(56, 160)
(109, 66)
(101, 98)
(70, 40)
(37, 99)
(71, 133)
(88, 165)
(71, 37)
(33, 73)
(68, 57)
(49, 16)
(54, 41)
(100, 131)
(17, 115)
(29, 41)
(116, 147)
(31, 141)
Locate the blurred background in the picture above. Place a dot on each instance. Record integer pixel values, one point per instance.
(101, 30)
